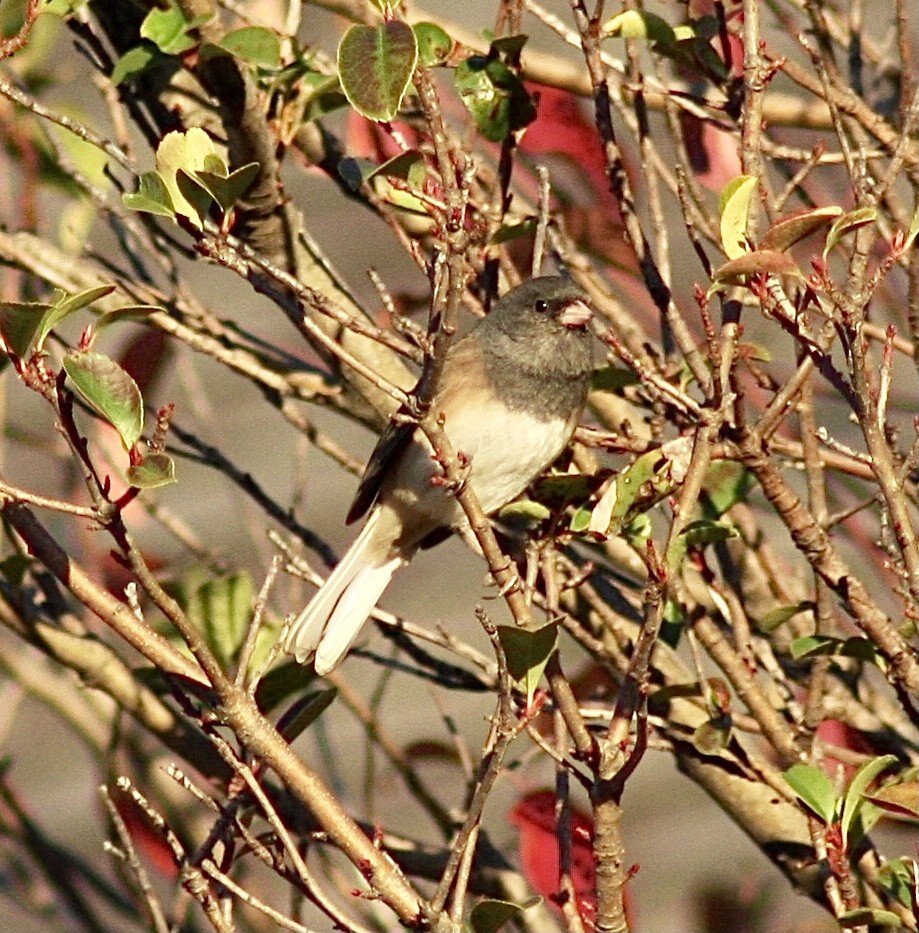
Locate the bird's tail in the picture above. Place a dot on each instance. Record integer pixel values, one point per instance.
(338, 610)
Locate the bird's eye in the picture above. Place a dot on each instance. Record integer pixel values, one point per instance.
(541, 306)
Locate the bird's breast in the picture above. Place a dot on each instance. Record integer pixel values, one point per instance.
(506, 449)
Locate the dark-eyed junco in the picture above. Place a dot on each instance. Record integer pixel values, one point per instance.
(511, 392)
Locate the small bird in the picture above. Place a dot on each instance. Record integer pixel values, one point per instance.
(510, 393)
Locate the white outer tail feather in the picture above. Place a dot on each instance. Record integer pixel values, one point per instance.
(340, 607)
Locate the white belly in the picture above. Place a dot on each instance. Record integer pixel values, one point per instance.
(503, 460)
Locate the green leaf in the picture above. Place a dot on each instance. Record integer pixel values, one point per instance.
(305, 711)
(282, 681)
(178, 157)
(375, 66)
(127, 313)
(66, 306)
(813, 787)
(787, 231)
(870, 916)
(135, 61)
(514, 231)
(854, 801)
(19, 323)
(713, 735)
(847, 223)
(225, 189)
(527, 653)
(221, 609)
(156, 470)
(495, 96)
(62, 8)
(612, 379)
(853, 647)
(168, 29)
(776, 618)
(734, 208)
(635, 24)
(697, 535)
(152, 196)
(14, 568)
(727, 482)
(408, 166)
(434, 44)
(896, 877)
(561, 488)
(109, 390)
(643, 483)
(255, 45)
(490, 915)
(524, 511)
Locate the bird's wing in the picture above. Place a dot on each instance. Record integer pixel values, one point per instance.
(464, 357)
(389, 449)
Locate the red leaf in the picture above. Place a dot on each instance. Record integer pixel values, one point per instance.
(148, 842)
(534, 815)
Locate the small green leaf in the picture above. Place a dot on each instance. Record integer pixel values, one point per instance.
(776, 618)
(495, 96)
(508, 47)
(514, 231)
(870, 916)
(152, 196)
(527, 653)
(14, 568)
(226, 190)
(169, 30)
(734, 208)
(814, 789)
(787, 231)
(854, 647)
(375, 67)
(854, 801)
(561, 488)
(524, 511)
(221, 609)
(697, 535)
(109, 390)
(66, 306)
(408, 166)
(727, 482)
(642, 484)
(127, 313)
(896, 877)
(255, 45)
(612, 379)
(635, 24)
(306, 710)
(847, 223)
(156, 470)
(62, 8)
(19, 323)
(135, 61)
(713, 735)
(434, 44)
(490, 915)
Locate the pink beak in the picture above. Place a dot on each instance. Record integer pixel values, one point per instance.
(576, 315)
